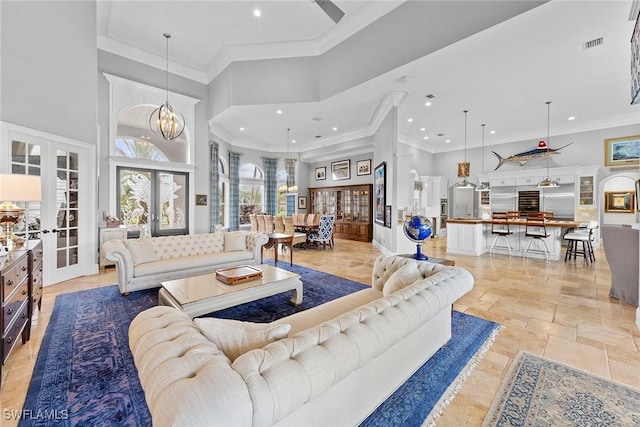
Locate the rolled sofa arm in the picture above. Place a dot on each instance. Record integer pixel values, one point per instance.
(115, 250)
(255, 241)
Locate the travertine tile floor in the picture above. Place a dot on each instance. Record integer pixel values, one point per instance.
(559, 310)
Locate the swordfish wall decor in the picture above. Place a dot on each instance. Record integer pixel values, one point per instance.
(539, 153)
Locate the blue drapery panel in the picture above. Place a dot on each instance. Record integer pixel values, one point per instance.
(234, 190)
(291, 204)
(270, 185)
(290, 168)
(214, 179)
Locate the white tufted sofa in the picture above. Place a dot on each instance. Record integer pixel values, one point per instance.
(144, 263)
(338, 363)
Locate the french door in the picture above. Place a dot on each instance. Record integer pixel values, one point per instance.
(153, 202)
(64, 219)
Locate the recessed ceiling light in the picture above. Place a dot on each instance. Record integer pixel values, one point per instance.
(335, 129)
(404, 79)
(278, 111)
(492, 132)
(571, 118)
(426, 137)
(257, 13)
(293, 141)
(427, 104)
(409, 120)
(423, 129)
(241, 129)
(448, 141)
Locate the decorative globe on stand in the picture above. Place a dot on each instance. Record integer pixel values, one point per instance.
(417, 228)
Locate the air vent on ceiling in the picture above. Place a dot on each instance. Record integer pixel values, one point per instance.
(593, 43)
(430, 96)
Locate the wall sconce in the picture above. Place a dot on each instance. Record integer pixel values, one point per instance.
(15, 188)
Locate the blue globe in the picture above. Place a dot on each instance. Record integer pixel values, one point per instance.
(417, 228)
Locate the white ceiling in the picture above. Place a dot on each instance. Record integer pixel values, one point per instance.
(502, 75)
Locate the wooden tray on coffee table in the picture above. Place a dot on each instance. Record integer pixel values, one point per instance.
(234, 275)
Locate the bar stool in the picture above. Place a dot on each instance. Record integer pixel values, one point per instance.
(584, 235)
(500, 227)
(535, 227)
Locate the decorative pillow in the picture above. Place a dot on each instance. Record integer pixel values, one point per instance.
(235, 241)
(404, 276)
(141, 251)
(234, 337)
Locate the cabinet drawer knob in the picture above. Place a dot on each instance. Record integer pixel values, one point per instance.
(10, 312)
(9, 340)
(24, 315)
(24, 268)
(24, 292)
(9, 282)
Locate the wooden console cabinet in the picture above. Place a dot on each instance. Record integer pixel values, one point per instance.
(352, 206)
(20, 292)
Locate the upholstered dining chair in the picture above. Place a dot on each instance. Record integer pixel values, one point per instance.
(536, 228)
(324, 235)
(261, 227)
(311, 219)
(268, 224)
(289, 228)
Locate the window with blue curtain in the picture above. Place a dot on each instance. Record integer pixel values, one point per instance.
(270, 185)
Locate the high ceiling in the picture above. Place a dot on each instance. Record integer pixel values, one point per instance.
(503, 75)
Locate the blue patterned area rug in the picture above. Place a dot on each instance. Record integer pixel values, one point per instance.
(541, 392)
(85, 375)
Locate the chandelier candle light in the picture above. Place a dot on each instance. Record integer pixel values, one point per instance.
(164, 121)
(548, 182)
(464, 167)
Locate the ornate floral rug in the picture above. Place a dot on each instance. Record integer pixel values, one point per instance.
(541, 392)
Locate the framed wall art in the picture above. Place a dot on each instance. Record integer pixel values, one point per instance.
(321, 173)
(619, 201)
(363, 167)
(302, 202)
(379, 188)
(622, 151)
(341, 170)
(201, 200)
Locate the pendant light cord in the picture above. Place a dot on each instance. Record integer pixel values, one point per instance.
(483, 125)
(465, 135)
(167, 36)
(548, 141)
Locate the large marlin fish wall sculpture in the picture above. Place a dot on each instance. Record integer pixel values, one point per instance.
(541, 152)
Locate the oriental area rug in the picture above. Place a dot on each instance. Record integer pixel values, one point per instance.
(541, 392)
(85, 374)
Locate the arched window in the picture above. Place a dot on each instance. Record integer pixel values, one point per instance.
(251, 190)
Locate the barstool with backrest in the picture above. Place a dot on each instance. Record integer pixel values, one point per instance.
(536, 228)
(584, 235)
(500, 228)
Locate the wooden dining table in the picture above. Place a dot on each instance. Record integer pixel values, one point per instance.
(275, 239)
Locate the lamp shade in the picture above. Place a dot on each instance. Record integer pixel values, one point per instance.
(20, 188)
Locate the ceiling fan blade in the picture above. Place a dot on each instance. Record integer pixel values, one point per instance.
(333, 11)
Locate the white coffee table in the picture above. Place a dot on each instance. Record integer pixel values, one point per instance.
(204, 294)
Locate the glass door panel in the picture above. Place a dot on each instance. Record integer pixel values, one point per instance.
(173, 201)
(66, 209)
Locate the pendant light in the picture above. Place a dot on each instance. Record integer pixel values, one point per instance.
(483, 186)
(464, 167)
(548, 182)
(164, 121)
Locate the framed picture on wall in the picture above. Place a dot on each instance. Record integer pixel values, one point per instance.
(363, 167)
(341, 170)
(302, 202)
(321, 173)
(201, 200)
(619, 201)
(622, 151)
(379, 184)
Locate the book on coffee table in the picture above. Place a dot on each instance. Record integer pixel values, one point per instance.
(234, 275)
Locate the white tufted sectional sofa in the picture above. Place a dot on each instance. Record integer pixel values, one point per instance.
(144, 263)
(339, 361)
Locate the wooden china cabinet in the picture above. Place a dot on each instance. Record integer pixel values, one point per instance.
(352, 206)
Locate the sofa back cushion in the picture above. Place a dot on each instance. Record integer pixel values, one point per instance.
(235, 241)
(403, 277)
(141, 251)
(234, 337)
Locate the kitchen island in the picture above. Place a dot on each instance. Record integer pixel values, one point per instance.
(472, 236)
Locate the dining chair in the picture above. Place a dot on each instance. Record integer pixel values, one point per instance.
(324, 235)
(268, 224)
(261, 226)
(278, 224)
(289, 228)
(254, 222)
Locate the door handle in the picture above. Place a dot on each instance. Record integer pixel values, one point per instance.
(55, 230)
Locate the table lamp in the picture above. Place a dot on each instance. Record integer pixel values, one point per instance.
(15, 188)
